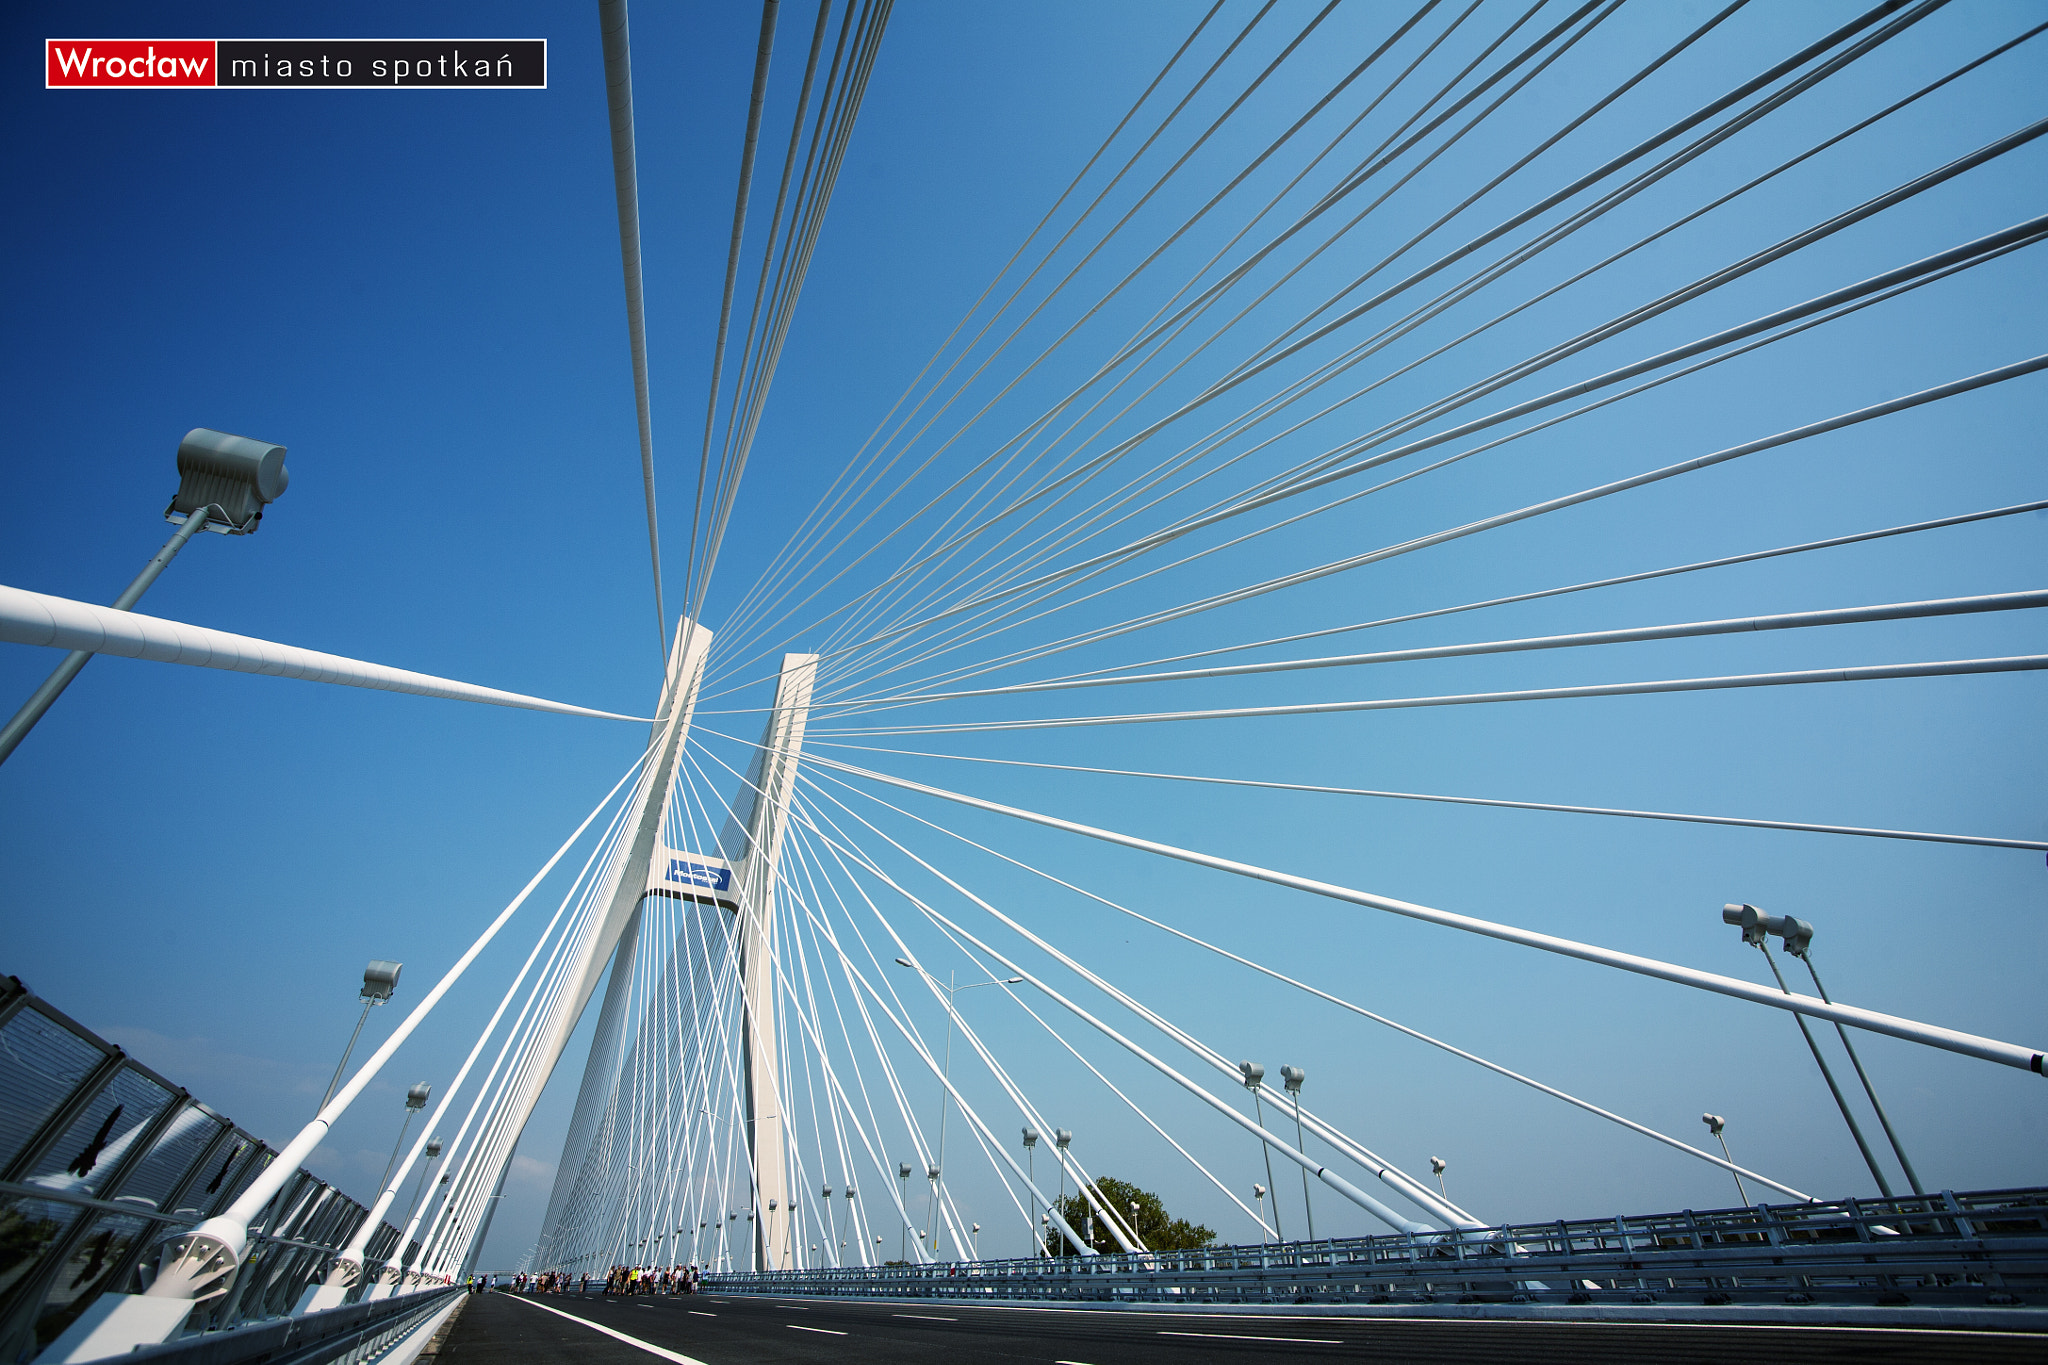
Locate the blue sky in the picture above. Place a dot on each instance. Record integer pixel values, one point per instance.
(418, 293)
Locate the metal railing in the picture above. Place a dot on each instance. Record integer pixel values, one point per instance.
(339, 1336)
(1989, 1247)
(101, 1158)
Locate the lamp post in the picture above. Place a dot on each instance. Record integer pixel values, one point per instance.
(1061, 1140)
(1756, 927)
(1031, 1156)
(903, 1199)
(945, 1077)
(831, 1227)
(1259, 1197)
(433, 1153)
(380, 979)
(1437, 1167)
(415, 1100)
(224, 482)
(1292, 1077)
(1253, 1075)
(1715, 1123)
(1798, 936)
(975, 1232)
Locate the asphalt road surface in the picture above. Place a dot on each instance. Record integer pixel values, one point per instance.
(563, 1329)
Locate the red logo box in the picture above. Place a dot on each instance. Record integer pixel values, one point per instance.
(128, 63)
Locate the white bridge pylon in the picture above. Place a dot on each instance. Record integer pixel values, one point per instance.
(740, 880)
(752, 843)
(651, 796)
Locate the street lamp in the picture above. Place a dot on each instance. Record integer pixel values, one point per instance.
(1061, 1140)
(1259, 1195)
(1031, 1156)
(1715, 1123)
(224, 483)
(1798, 936)
(433, 1153)
(975, 1232)
(1253, 1075)
(903, 1199)
(1756, 928)
(415, 1100)
(380, 979)
(946, 1071)
(1437, 1167)
(1292, 1077)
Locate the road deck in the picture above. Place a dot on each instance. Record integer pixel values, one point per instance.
(565, 1329)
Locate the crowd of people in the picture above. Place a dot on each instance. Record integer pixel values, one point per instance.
(652, 1279)
(623, 1279)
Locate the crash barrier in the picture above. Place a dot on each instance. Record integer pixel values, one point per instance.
(1947, 1249)
(101, 1159)
(360, 1332)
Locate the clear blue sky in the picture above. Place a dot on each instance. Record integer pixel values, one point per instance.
(418, 293)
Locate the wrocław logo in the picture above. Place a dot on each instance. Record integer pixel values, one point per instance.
(296, 63)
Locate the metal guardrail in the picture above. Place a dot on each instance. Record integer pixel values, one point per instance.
(338, 1336)
(1989, 1247)
(100, 1158)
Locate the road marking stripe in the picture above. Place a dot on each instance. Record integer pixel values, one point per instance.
(698, 1312)
(923, 1317)
(1241, 1336)
(826, 1330)
(674, 1357)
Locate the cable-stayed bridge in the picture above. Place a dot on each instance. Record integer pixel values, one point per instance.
(1369, 362)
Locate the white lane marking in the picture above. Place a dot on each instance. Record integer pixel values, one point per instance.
(826, 1330)
(1242, 1336)
(923, 1317)
(675, 1357)
(700, 1313)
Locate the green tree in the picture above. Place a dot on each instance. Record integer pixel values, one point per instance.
(1157, 1229)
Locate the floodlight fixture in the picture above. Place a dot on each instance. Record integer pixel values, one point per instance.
(416, 1098)
(1253, 1074)
(1756, 925)
(1293, 1076)
(226, 480)
(380, 980)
